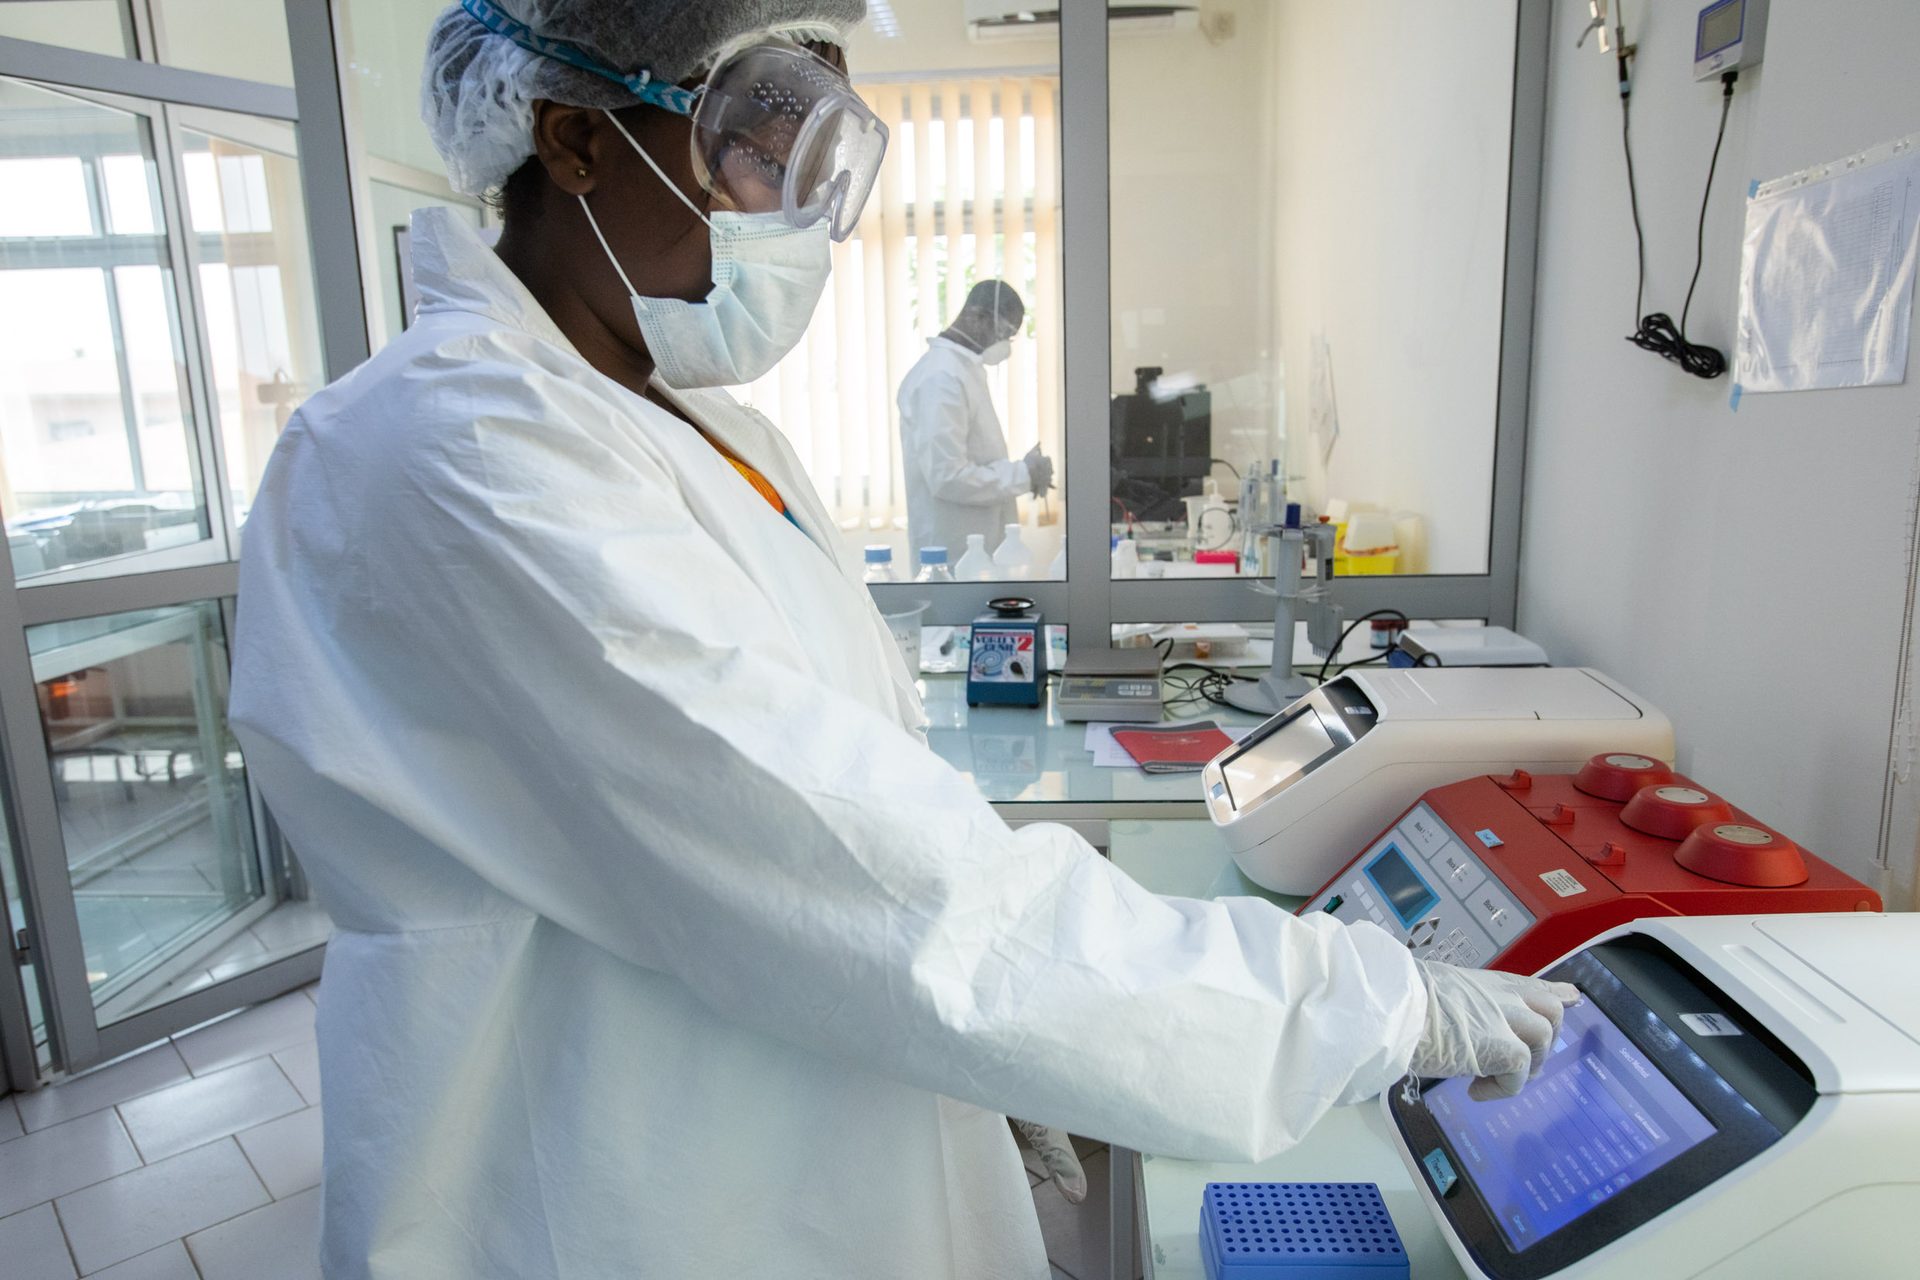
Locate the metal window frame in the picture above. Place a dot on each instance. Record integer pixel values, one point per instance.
(158, 94)
(1096, 602)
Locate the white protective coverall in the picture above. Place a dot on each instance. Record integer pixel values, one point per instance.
(665, 946)
(959, 477)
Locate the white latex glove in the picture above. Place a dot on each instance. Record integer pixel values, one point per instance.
(1496, 1027)
(1039, 471)
(1055, 1150)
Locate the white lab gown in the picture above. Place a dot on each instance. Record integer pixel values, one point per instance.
(665, 946)
(959, 477)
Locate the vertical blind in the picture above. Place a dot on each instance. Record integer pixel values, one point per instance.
(970, 190)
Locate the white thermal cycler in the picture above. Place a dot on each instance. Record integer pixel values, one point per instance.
(1737, 1098)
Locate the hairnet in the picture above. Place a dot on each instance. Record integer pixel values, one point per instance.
(996, 301)
(478, 89)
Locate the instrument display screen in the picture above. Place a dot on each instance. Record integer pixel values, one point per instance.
(1272, 759)
(1599, 1117)
(1401, 885)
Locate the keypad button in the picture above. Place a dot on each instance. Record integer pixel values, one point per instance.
(1497, 914)
(1462, 873)
(1424, 831)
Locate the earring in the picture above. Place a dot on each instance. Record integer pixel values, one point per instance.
(580, 173)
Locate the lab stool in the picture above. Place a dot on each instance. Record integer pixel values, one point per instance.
(1299, 1231)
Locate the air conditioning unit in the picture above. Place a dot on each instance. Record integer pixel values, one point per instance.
(989, 20)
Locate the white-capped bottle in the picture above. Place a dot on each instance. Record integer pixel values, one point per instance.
(933, 565)
(1011, 559)
(880, 563)
(975, 564)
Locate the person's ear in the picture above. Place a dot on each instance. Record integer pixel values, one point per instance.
(564, 140)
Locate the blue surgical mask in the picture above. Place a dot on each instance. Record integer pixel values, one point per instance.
(768, 276)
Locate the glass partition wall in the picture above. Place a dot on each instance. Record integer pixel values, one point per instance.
(1238, 286)
(1297, 263)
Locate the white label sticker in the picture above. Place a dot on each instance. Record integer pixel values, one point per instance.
(1711, 1024)
(1563, 883)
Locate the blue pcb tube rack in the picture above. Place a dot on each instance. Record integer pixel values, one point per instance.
(1299, 1231)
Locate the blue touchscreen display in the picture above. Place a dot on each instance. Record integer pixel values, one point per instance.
(1598, 1118)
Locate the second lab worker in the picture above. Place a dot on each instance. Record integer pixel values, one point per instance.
(960, 479)
(664, 946)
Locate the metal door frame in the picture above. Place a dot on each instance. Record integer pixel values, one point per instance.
(55, 946)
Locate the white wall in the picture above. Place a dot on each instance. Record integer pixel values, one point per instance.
(1745, 571)
(1393, 152)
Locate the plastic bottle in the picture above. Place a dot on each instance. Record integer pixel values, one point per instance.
(933, 565)
(1011, 559)
(880, 563)
(975, 564)
(1126, 558)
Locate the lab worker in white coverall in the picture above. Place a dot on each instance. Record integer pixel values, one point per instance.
(665, 947)
(960, 479)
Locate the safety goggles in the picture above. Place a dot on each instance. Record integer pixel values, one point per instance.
(776, 128)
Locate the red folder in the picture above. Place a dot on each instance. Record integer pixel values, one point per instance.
(1185, 749)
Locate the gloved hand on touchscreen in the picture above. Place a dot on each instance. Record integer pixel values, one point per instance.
(1496, 1027)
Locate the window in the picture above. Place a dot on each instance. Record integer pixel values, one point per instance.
(97, 448)
(1308, 273)
(93, 26)
(159, 321)
(246, 39)
(152, 796)
(969, 192)
(249, 248)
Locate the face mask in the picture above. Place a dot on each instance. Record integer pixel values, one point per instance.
(996, 353)
(768, 276)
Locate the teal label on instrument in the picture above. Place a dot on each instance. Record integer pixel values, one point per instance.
(1489, 839)
(1440, 1169)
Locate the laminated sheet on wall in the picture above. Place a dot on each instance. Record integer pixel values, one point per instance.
(1827, 273)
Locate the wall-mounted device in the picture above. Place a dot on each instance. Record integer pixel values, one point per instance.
(1736, 1097)
(1728, 35)
(1511, 872)
(1299, 794)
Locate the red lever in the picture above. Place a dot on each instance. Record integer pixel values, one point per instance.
(1561, 816)
(1608, 855)
(1518, 780)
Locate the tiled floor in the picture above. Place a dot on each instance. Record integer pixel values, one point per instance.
(199, 1159)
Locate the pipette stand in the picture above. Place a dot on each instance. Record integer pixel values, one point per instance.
(1289, 544)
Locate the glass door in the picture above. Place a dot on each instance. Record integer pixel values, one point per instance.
(162, 856)
(161, 323)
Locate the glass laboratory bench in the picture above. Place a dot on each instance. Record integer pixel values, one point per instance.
(1034, 767)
